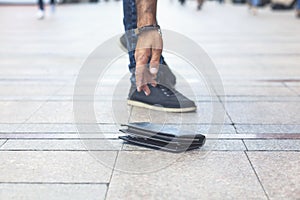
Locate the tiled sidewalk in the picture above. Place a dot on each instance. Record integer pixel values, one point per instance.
(42, 156)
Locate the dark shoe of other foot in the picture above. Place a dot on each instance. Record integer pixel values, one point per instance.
(162, 99)
(123, 43)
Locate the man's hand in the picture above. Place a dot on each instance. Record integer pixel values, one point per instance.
(149, 45)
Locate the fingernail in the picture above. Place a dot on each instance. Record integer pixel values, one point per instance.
(153, 70)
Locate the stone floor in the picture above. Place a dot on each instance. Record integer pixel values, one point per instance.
(49, 151)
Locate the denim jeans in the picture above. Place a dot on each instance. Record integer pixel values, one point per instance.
(41, 4)
(255, 2)
(130, 23)
(298, 4)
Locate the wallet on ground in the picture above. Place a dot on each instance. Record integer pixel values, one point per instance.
(159, 136)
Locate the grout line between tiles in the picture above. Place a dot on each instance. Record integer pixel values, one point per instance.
(112, 173)
(3, 143)
(263, 188)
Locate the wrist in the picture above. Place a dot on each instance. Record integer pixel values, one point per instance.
(146, 21)
(147, 28)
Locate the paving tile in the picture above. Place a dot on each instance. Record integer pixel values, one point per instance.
(278, 172)
(194, 175)
(292, 84)
(54, 112)
(131, 147)
(50, 136)
(259, 72)
(40, 145)
(264, 112)
(261, 99)
(258, 91)
(63, 167)
(27, 90)
(223, 145)
(296, 89)
(17, 112)
(8, 128)
(250, 83)
(62, 112)
(268, 60)
(273, 145)
(53, 191)
(63, 128)
(267, 128)
(205, 128)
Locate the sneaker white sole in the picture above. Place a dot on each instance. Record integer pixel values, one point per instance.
(174, 110)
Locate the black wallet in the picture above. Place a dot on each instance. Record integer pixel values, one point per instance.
(163, 137)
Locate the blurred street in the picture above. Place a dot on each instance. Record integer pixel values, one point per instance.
(42, 156)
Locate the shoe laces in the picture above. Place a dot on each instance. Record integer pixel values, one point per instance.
(168, 92)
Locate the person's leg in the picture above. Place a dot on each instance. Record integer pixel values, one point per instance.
(163, 97)
(298, 9)
(200, 2)
(130, 23)
(41, 4)
(255, 3)
(40, 14)
(52, 5)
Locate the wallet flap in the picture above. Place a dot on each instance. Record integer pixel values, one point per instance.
(164, 130)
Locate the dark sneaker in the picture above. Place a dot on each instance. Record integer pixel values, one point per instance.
(123, 43)
(298, 13)
(162, 99)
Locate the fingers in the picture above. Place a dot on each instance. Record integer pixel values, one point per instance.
(142, 57)
(155, 61)
(149, 45)
(146, 90)
(143, 77)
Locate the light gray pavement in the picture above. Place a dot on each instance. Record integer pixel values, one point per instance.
(256, 155)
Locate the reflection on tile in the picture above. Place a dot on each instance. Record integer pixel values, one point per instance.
(278, 172)
(206, 113)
